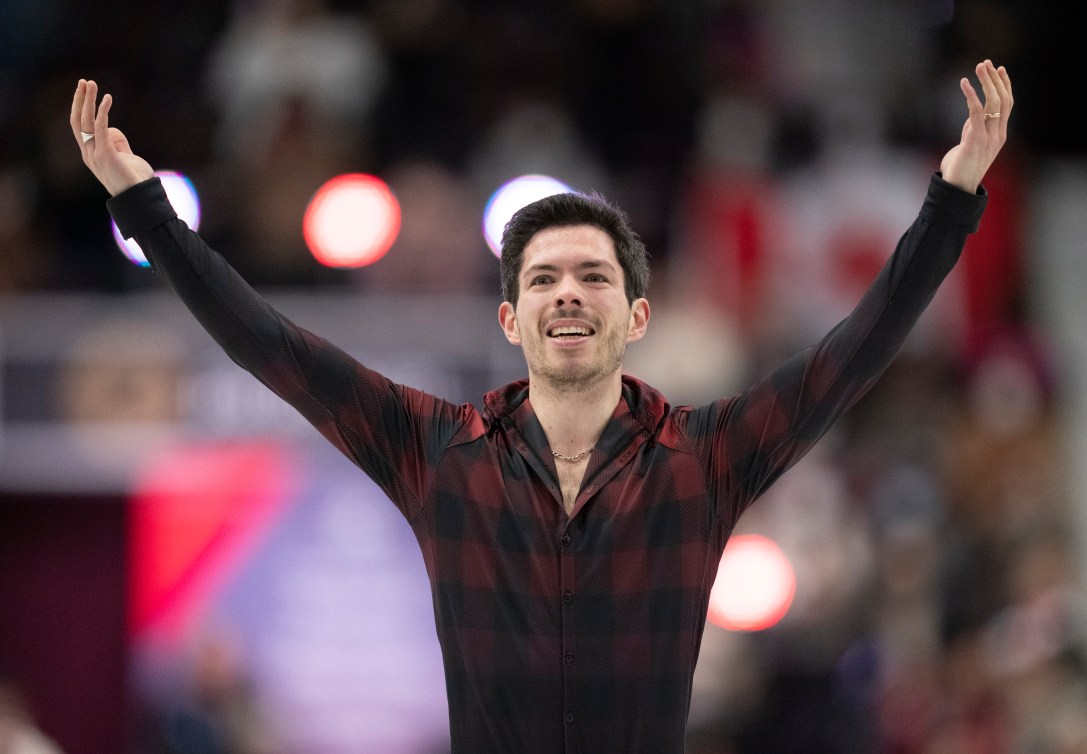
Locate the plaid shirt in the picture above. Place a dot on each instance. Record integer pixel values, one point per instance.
(566, 633)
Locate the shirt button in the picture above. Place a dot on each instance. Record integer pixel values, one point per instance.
(568, 658)
(569, 717)
(567, 598)
(566, 540)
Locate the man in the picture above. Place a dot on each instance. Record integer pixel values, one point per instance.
(572, 529)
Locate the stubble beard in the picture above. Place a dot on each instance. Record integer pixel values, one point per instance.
(580, 377)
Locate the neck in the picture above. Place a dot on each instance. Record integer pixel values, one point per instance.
(574, 417)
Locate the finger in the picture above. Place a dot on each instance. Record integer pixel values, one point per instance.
(986, 72)
(86, 116)
(998, 83)
(1006, 83)
(101, 121)
(973, 103)
(1000, 90)
(77, 108)
(999, 77)
(1003, 72)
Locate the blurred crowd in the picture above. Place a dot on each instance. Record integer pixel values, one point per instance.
(770, 154)
(261, 101)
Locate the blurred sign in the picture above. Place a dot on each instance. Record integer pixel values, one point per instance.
(103, 382)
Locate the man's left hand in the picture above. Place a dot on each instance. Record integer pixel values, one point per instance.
(985, 130)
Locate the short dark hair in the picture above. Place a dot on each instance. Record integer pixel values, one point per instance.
(574, 209)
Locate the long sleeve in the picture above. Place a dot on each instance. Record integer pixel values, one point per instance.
(748, 441)
(392, 432)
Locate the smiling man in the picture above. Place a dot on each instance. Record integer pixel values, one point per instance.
(574, 278)
(572, 529)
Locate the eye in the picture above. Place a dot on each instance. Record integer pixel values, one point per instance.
(540, 280)
(595, 277)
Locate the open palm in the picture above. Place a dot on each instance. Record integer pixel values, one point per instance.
(985, 130)
(108, 153)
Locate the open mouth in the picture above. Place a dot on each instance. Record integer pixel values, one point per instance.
(569, 332)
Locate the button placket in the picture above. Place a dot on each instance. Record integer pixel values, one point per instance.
(566, 595)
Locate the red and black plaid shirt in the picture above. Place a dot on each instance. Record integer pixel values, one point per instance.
(559, 633)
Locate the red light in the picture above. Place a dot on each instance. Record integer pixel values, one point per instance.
(755, 585)
(351, 221)
(196, 514)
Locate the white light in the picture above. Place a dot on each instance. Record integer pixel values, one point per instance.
(182, 195)
(755, 585)
(351, 221)
(509, 198)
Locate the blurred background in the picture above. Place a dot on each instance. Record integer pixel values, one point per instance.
(186, 567)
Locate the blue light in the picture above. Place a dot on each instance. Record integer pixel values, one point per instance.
(510, 197)
(182, 195)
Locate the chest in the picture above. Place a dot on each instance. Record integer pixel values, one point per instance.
(571, 474)
(497, 530)
(489, 492)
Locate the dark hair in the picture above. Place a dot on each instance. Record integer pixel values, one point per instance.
(573, 209)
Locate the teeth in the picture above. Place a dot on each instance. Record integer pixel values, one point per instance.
(569, 331)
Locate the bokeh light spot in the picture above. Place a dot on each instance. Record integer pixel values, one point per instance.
(510, 197)
(755, 585)
(351, 221)
(186, 203)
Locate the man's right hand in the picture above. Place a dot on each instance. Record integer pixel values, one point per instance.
(108, 154)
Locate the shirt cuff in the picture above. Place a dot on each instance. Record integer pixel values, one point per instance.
(141, 207)
(949, 205)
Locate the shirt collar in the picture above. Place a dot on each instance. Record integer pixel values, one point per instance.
(646, 404)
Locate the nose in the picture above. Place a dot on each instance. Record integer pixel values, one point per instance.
(568, 293)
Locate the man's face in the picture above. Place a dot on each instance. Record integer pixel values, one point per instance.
(572, 318)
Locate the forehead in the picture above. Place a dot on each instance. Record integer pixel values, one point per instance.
(570, 244)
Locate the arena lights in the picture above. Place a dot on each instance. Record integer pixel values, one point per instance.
(182, 196)
(510, 197)
(351, 221)
(755, 585)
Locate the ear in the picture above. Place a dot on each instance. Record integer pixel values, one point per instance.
(507, 318)
(639, 320)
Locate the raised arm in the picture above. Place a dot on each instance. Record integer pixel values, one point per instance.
(750, 440)
(394, 433)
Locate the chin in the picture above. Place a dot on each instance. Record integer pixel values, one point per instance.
(575, 378)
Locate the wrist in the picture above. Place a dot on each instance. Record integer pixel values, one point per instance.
(970, 187)
(968, 181)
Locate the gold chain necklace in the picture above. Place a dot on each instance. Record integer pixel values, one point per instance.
(573, 459)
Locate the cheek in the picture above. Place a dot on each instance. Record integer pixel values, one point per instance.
(526, 314)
